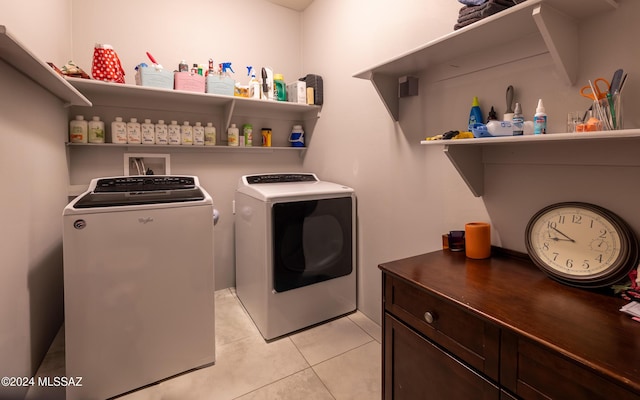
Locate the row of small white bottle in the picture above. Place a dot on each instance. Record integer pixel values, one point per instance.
(133, 132)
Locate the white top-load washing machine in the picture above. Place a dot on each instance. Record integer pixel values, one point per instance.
(138, 283)
(295, 250)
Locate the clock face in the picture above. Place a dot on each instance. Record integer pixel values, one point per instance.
(581, 244)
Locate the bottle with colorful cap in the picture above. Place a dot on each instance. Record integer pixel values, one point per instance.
(540, 120)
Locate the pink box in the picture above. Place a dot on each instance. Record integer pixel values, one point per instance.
(189, 82)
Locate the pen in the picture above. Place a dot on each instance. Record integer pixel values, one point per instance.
(612, 110)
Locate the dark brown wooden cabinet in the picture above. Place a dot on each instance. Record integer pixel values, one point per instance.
(456, 328)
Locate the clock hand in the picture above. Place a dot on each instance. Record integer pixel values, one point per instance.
(567, 237)
(555, 238)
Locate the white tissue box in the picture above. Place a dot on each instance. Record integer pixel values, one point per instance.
(149, 76)
(297, 92)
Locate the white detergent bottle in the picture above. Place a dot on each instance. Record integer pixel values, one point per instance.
(186, 131)
(96, 130)
(198, 134)
(254, 84)
(162, 135)
(119, 131)
(210, 134)
(78, 130)
(134, 135)
(175, 136)
(233, 135)
(148, 132)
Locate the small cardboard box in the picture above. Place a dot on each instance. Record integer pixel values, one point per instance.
(297, 92)
(148, 76)
(218, 84)
(189, 81)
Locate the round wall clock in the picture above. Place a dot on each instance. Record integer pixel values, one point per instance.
(581, 244)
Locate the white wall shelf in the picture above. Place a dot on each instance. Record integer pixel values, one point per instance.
(469, 156)
(549, 26)
(554, 21)
(151, 98)
(19, 57)
(155, 148)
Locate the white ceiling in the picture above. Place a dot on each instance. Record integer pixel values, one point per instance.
(298, 5)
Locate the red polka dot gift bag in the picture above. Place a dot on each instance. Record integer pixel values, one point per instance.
(106, 64)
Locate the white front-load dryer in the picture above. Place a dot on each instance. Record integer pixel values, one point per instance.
(295, 250)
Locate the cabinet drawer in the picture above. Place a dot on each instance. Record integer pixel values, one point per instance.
(415, 369)
(462, 333)
(534, 372)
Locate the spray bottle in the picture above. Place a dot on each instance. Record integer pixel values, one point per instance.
(226, 67)
(540, 120)
(254, 84)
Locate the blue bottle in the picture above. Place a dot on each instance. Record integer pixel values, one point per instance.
(475, 116)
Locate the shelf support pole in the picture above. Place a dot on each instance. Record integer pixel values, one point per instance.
(387, 88)
(560, 34)
(467, 159)
(228, 112)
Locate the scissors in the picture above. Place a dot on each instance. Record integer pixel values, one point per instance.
(595, 91)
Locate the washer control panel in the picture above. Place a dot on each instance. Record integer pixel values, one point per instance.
(144, 183)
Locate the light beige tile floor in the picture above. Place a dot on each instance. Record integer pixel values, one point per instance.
(337, 360)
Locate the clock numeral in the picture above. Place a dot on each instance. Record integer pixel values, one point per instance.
(561, 219)
(599, 258)
(555, 256)
(545, 246)
(569, 263)
(551, 224)
(603, 234)
(585, 264)
(576, 219)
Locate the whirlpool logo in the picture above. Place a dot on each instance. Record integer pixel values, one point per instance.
(145, 220)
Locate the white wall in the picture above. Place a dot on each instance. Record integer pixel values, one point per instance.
(43, 26)
(408, 195)
(35, 176)
(244, 32)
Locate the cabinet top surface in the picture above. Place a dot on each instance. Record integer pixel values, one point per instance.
(586, 326)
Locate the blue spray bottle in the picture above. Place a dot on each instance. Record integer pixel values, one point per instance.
(226, 67)
(475, 115)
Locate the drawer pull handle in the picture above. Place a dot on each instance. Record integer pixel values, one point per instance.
(429, 317)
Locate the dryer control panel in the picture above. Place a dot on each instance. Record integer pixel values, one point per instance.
(281, 178)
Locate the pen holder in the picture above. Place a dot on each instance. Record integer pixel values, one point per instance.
(609, 111)
(478, 240)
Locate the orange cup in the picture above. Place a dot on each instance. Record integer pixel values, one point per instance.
(477, 240)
